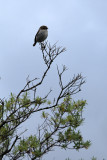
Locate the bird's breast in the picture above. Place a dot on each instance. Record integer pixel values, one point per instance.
(42, 35)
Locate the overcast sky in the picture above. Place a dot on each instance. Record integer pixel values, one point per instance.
(81, 27)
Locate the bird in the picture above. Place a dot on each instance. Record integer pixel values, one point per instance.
(41, 35)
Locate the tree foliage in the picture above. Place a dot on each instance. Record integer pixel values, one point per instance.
(60, 117)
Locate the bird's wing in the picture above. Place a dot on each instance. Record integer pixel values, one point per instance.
(35, 39)
(36, 35)
(37, 32)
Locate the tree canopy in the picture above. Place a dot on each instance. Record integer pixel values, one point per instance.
(60, 117)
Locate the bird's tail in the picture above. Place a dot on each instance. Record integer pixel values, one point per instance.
(34, 44)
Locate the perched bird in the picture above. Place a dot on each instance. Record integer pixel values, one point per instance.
(41, 35)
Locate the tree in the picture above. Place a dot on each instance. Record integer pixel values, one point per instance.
(60, 117)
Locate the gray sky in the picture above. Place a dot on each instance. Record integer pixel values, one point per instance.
(81, 27)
